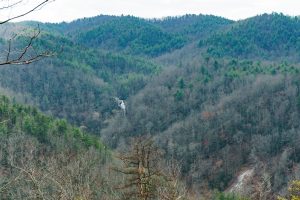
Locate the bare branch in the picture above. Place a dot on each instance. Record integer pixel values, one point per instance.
(23, 57)
(30, 173)
(28, 61)
(10, 6)
(25, 13)
(21, 60)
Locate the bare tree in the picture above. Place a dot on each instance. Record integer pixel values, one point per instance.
(146, 177)
(173, 189)
(26, 54)
(140, 166)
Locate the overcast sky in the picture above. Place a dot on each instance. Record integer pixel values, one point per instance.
(68, 10)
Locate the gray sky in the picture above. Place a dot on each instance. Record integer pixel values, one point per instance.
(67, 10)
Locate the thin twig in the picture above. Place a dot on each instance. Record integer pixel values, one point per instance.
(10, 6)
(26, 13)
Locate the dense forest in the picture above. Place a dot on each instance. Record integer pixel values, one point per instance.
(266, 36)
(209, 99)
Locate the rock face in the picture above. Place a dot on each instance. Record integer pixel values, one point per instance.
(242, 181)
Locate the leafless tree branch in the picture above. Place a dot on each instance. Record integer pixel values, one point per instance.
(25, 13)
(11, 5)
(21, 59)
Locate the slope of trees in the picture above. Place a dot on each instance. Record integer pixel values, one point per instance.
(79, 83)
(266, 36)
(214, 116)
(16, 118)
(131, 35)
(214, 123)
(193, 26)
(43, 158)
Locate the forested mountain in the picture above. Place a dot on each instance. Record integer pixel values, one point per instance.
(265, 36)
(79, 83)
(203, 115)
(132, 35)
(218, 97)
(193, 26)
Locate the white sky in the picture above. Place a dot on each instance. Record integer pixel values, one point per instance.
(68, 10)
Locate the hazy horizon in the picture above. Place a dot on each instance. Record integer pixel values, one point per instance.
(154, 18)
(70, 10)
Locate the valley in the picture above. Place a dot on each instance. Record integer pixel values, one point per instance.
(218, 97)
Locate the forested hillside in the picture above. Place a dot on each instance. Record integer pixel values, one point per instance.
(203, 115)
(131, 35)
(193, 26)
(218, 97)
(266, 37)
(42, 157)
(78, 83)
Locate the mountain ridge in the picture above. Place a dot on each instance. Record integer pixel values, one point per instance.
(216, 95)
